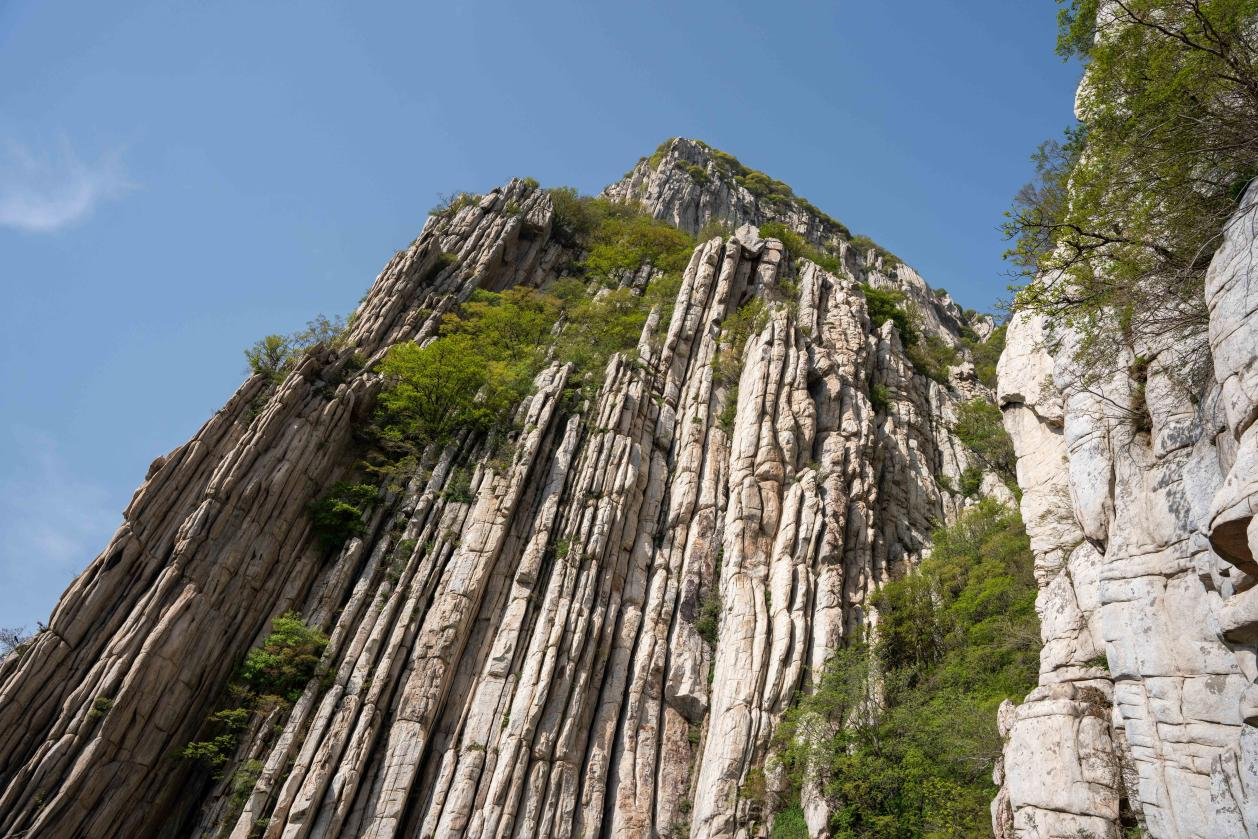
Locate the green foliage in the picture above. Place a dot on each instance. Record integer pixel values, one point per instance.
(872, 248)
(790, 824)
(287, 659)
(531, 183)
(909, 752)
(271, 357)
(971, 481)
(880, 398)
(459, 488)
(242, 783)
(799, 247)
(101, 706)
(715, 229)
(490, 350)
(708, 619)
(980, 427)
(736, 330)
(987, 353)
(626, 240)
(273, 674)
(729, 410)
(275, 355)
(931, 356)
(449, 205)
(338, 514)
(657, 156)
(430, 393)
(599, 326)
(224, 728)
(697, 173)
(575, 216)
(1130, 206)
(888, 305)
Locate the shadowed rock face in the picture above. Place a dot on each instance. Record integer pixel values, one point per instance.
(526, 662)
(1144, 545)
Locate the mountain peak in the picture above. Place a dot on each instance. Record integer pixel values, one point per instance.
(693, 184)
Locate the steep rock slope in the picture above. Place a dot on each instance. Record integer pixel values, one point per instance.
(1145, 538)
(518, 656)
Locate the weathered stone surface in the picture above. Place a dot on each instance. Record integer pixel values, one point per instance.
(1144, 552)
(526, 662)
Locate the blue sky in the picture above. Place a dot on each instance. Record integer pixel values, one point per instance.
(180, 178)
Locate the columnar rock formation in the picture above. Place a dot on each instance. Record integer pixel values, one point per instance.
(1144, 532)
(522, 659)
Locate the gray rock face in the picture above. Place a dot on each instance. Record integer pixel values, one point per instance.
(1145, 556)
(521, 659)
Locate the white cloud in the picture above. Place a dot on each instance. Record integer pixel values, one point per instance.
(46, 190)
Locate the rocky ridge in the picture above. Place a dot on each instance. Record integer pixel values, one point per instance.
(521, 659)
(1139, 497)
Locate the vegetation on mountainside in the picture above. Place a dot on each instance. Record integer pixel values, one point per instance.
(778, 194)
(1114, 235)
(489, 349)
(799, 247)
(271, 676)
(980, 427)
(275, 355)
(338, 514)
(886, 304)
(986, 353)
(902, 731)
(869, 246)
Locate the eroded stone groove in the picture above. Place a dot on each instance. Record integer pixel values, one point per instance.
(1144, 549)
(526, 662)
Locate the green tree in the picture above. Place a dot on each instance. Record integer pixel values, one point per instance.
(287, 659)
(981, 428)
(1115, 233)
(902, 733)
(270, 357)
(888, 305)
(986, 354)
(431, 392)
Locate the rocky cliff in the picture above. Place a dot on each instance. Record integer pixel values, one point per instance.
(1139, 496)
(519, 655)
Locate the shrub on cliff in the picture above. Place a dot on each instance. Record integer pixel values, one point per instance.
(902, 731)
(272, 675)
(338, 514)
(626, 240)
(980, 427)
(987, 353)
(1116, 232)
(275, 355)
(287, 659)
(799, 247)
(931, 356)
(872, 248)
(431, 392)
(888, 305)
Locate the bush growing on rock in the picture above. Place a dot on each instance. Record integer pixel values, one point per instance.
(275, 355)
(931, 356)
(626, 240)
(1128, 208)
(987, 353)
(337, 515)
(903, 730)
(799, 247)
(888, 305)
(871, 248)
(981, 428)
(287, 659)
(272, 675)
